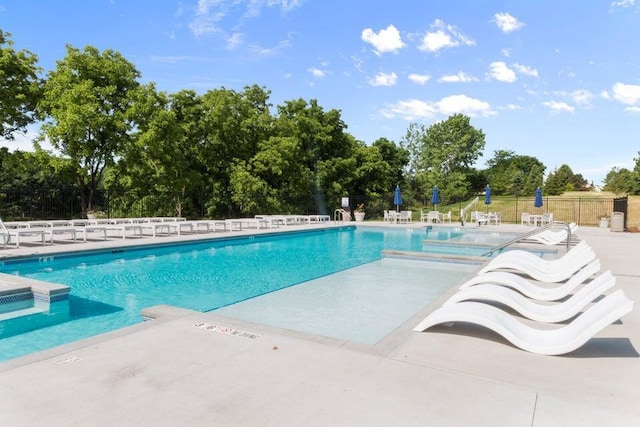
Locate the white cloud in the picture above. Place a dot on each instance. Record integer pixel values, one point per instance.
(513, 107)
(234, 40)
(382, 79)
(506, 52)
(316, 72)
(387, 40)
(627, 94)
(507, 23)
(634, 110)
(202, 25)
(499, 71)
(558, 107)
(420, 79)
(461, 77)
(209, 14)
(285, 5)
(582, 96)
(622, 3)
(444, 36)
(410, 109)
(270, 51)
(413, 109)
(526, 70)
(604, 94)
(463, 104)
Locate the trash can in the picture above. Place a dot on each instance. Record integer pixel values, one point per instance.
(617, 221)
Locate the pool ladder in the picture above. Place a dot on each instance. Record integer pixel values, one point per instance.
(340, 216)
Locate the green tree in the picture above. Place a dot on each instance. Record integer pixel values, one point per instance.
(327, 149)
(619, 181)
(159, 162)
(396, 157)
(563, 179)
(19, 87)
(231, 127)
(441, 154)
(85, 107)
(501, 172)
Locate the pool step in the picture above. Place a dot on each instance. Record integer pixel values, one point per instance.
(22, 312)
(28, 304)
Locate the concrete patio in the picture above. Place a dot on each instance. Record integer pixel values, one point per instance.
(200, 369)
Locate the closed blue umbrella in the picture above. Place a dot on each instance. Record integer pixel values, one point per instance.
(487, 196)
(435, 196)
(397, 198)
(538, 202)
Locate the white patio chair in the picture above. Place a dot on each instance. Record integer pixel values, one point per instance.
(433, 216)
(525, 218)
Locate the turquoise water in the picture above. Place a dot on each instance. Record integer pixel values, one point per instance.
(109, 290)
(474, 237)
(363, 304)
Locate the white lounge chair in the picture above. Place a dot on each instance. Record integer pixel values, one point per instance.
(552, 271)
(8, 234)
(531, 309)
(551, 237)
(526, 287)
(542, 341)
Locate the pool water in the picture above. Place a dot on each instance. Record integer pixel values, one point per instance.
(362, 304)
(473, 237)
(109, 290)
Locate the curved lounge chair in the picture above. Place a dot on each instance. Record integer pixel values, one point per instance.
(577, 252)
(553, 271)
(542, 341)
(532, 290)
(530, 309)
(551, 238)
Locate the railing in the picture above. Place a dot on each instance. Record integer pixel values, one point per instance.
(532, 233)
(339, 215)
(464, 211)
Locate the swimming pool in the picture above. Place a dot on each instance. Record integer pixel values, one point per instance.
(109, 289)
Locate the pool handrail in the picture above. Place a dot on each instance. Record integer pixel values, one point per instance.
(533, 233)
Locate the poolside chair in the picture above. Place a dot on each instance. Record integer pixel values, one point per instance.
(551, 237)
(553, 271)
(433, 216)
(477, 216)
(7, 234)
(525, 218)
(531, 309)
(446, 217)
(531, 290)
(541, 341)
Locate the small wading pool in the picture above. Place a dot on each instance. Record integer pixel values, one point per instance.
(461, 235)
(109, 289)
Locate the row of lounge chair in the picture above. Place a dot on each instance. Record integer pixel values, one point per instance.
(541, 291)
(82, 229)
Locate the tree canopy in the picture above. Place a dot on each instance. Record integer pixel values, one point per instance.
(19, 87)
(85, 107)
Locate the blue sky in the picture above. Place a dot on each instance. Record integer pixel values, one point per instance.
(557, 80)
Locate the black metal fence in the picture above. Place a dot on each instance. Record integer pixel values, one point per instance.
(65, 205)
(581, 210)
